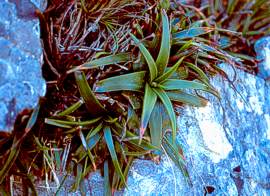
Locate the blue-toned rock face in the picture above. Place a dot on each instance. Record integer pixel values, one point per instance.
(21, 82)
(262, 48)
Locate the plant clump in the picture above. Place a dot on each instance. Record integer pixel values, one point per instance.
(115, 71)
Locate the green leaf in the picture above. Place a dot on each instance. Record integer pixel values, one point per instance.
(191, 33)
(61, 184)
(107, 60)
(186, 45)
(91, 143)
(69, 124)
(211, 49)
(85, 145)
(165, 4)
(133, 99)
(133, 121)
(137, 154)
(148, 57)
(127, 168)
(107, 183)
(135, 139)
(231, 5)
(243, 56)
(173, 152)
(109, 141)
(155, 125)
(149, 102)
(14, 152)
(164, 52)
(131, 82)
(175, 84)
(71, 109)
(92, 104)
(79, 177)
(94, 131)
(57, 158)
(16, 145)
(169, 72)
(182, 97)
(32, 120)
(246, 25)
(169, 108)
(199, 71)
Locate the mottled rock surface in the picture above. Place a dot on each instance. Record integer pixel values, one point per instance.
(21, 82)
(262, 48)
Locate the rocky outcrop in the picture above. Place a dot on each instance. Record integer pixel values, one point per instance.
(226, 145)
(262, 48)
(21, 82)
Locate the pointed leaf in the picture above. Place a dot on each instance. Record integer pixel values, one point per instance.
(69, 124)
(109, 141)
(182, 97)
(174, 84)
(107, 60)
(133, 121)
(126, 171)
(107, 183)
(169, 72)
(148, 57)
(191, 33)
(199, 71)
(176, 156)
(79, 176)
(164, 52)
(155, 125)
(131, 82)
(231, 6)
(85, 145)
(92, 142)
(186, 45)
(133, 99)
(92, 104)
(14, 152)
(149, 102)
(144, 144)
(94, 131)
(210, 49)
(165, 4)
(169, 108)
(137, 154)
(32, 120)
(16, 145)
(71, 109)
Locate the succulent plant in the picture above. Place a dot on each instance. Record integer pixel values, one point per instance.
(116, 70)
